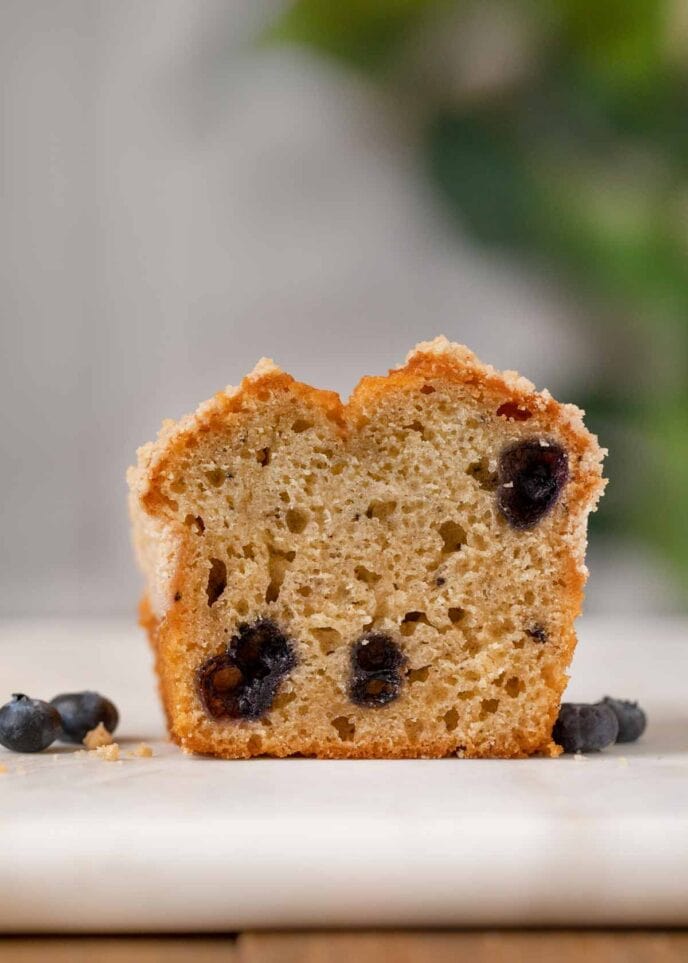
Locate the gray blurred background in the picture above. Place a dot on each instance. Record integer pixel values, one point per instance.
(186, 186)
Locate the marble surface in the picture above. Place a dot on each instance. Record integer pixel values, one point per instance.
(176, 843)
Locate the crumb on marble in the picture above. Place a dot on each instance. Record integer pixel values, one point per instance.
(98, 737)
(108, 753)
(579, 757)
(3, 769)
(143, 750)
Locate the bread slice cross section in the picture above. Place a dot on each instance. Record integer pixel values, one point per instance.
(395, 576)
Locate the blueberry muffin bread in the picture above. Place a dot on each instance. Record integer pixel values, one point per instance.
(397, 576)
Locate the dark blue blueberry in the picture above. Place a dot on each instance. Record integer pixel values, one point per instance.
(631, 718)
(82, 711)
(242, 682)
(376, 661)
(530, 477)
(28, 725)
(582, 727)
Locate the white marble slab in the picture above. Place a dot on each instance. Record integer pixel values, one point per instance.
(176, 843)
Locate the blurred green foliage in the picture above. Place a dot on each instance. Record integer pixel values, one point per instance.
(364, 33)
(577, 163)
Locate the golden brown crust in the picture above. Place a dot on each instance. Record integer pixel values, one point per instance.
(164, 616)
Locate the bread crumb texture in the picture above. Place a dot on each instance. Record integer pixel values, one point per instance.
(355, 580)
(108, 753)
(143, 751)
(100, 736)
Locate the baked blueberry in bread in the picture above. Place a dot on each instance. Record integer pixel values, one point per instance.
(396, 576)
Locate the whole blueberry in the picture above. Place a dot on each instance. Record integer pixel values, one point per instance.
(28, 725)
(82, 711)
(583, 727)
(631, 718)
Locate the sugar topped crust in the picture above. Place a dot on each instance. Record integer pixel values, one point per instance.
(457, 356)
